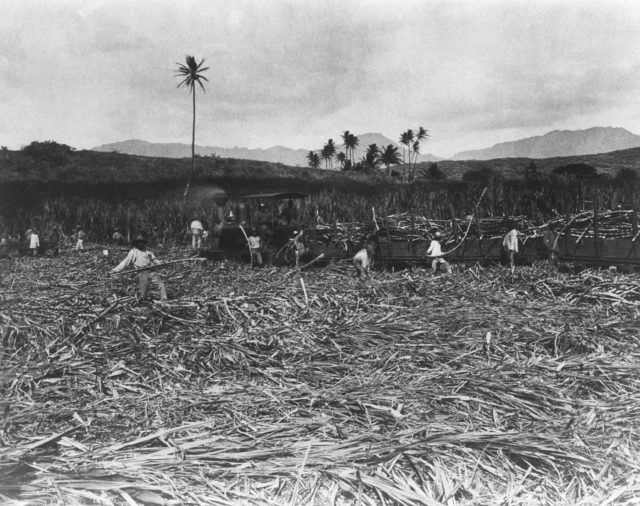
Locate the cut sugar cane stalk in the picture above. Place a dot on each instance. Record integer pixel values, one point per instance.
(158, 266)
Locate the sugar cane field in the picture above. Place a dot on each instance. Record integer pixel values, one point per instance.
(285, 386)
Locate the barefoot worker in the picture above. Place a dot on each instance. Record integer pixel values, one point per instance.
(141, 258)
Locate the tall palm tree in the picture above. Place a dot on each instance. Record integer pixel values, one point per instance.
(324, 154)
(420, 135)
(406, 139)
(313, 159)
(352, 143)
(345, 142)
(390, 156)
(191, 73)
(331, 151)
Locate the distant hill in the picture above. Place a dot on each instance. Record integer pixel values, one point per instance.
(514, 168)
(276, 154)
(558, 143)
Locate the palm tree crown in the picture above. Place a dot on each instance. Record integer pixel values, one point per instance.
(191, 73)
(328, 152)
(350, 144)
(371, 159)
(313, 159)
(390, 156)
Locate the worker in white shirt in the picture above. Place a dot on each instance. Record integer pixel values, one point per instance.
(363, 260)
(196, 234)
(255, 246)
(435, 251)
(34, 242)
(140, 257)
(510, 245)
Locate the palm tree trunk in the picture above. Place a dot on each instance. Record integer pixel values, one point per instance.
(193, 143)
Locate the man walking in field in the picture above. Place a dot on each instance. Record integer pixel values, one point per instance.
(510, 245)
(435, 251)
(140, 257)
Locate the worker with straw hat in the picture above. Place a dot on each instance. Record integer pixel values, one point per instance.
(140, 257)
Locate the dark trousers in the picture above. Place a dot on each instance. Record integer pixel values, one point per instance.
(145, 277)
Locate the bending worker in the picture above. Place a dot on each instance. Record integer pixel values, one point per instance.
(140, 257)
(363, 259)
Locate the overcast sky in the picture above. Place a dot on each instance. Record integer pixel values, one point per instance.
(296, 73)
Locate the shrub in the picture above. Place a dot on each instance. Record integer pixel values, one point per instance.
(577, 170)
(48, 151)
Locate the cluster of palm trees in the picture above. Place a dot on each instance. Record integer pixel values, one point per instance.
(191, 73)
(374, 158)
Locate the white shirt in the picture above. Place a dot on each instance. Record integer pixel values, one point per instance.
(363, 257)
(34, 241)
(254, 242)
(137, 258)
(196, 225)
(435, 250)
(510, 241)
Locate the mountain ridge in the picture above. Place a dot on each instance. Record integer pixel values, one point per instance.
(274, 154)
(556, 143)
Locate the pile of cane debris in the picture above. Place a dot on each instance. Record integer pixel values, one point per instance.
(275, 386)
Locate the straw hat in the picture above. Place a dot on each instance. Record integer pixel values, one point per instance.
(140, 240)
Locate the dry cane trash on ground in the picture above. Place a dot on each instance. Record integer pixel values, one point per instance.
(252, 387)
